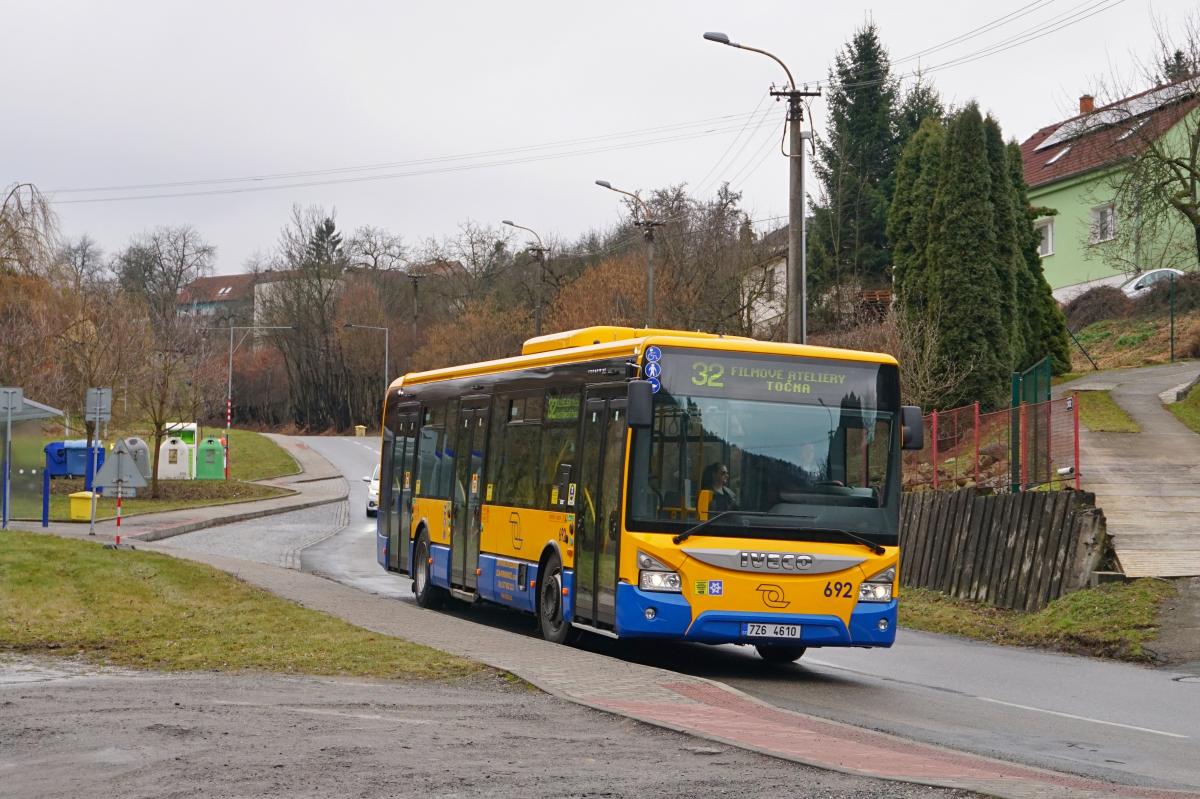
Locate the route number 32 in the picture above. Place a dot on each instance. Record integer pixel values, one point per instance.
(839, 589)
(708, 374)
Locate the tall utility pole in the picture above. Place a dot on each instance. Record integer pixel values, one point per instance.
(539, 252)
(797, 261)
(412, 347)
(648, 223)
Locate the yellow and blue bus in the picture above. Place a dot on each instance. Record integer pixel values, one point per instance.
(645, 483)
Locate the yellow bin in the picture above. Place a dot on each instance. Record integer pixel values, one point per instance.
(81, 506)
(360, 430)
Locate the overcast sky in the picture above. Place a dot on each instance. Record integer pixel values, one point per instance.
(133, 93)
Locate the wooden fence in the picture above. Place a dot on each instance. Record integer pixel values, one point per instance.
(1015, 551)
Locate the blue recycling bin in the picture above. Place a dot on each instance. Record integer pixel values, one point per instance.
(56, 460)
(78, 454)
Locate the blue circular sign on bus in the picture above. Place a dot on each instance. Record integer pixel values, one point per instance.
(654, 385)
(653, 369)
(653, 354)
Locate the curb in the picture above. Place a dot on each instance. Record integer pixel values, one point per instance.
(191, 527)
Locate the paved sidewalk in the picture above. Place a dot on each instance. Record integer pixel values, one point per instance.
(1147, 483)
(318, 483)
(667, 699)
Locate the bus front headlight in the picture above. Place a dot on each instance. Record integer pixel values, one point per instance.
(878, 588)
(653, 575)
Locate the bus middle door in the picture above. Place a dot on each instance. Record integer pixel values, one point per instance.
(598, 510)
(471, 438)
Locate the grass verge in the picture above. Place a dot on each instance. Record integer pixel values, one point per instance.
(1187, 410)
(1114, 620)
(1100, 413)
(145, 610)
(255, 457)
(173, 495)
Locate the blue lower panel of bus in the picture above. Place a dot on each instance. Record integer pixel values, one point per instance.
(381, 549)
(506, 582)
(672, 618)
(439, 573)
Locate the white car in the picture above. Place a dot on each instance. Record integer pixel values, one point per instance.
(372, 492)
(1137, 286)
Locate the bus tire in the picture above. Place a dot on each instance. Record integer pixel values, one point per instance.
(780, 653)
(554, 627)
(428, 595)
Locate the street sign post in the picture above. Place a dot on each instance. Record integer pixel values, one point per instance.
(11, 401)
(98, 408)
(119, 472)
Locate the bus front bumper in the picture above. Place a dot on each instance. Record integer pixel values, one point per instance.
(645, 614)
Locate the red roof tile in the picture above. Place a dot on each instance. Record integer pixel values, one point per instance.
(219, 288)
(1102, 141)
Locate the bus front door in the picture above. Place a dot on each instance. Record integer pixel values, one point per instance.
(598, 510)
(400, 490)
(468, 498)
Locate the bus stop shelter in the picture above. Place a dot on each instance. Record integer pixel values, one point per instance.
(23, 477)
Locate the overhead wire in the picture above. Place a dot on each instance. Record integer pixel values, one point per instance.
(716, 164)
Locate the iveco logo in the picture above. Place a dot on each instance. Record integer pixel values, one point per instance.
(775, 561)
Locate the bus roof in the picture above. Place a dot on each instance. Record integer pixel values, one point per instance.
(590, 343)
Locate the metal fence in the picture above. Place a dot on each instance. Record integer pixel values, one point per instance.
(1034, 445)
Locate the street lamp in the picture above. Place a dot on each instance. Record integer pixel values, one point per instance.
(386, 336)
(647, 225)
(540, 252)
(229, 382)
(797, 284)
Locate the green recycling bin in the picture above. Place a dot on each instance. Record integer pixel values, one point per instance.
(210, 460)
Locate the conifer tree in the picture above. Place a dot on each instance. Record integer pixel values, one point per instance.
(917, 177)
(1008, 259)
(1046, 333)
(857, 158)
(963, 280)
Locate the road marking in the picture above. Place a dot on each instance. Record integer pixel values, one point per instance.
(1080, 718)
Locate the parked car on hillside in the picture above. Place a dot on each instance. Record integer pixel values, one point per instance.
(1137, 286)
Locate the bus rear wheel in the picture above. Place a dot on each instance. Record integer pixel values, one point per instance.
(428, 595)
(780, 653)
(555, 628)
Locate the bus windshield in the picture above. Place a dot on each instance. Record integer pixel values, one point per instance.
(810, 442)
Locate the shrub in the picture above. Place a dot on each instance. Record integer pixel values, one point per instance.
(1158, 298)
(1102, 302)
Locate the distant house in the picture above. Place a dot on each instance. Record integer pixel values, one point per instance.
(1073, 168)
(764, 286)
(223, 297)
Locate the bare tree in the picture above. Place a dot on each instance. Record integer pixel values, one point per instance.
(1156, 191)
(81, 262)
(28, 230)
(159, 264)
(376, 249)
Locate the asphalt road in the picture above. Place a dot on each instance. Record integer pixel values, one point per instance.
(1101, 719)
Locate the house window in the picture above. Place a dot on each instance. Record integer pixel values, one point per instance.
(1104, 223)
(1045, 229)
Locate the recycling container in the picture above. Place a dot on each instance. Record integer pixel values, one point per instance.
(81, 506)
(139, 450)
(56, 459)
(77, 453)
(174, 460)
(210, 460)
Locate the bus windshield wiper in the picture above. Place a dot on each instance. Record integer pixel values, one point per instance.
(871, 545)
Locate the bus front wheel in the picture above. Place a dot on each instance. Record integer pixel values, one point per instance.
(779, 653)
(555, 628)
(428, 595)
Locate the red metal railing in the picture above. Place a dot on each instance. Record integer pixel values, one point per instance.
(1034, 445)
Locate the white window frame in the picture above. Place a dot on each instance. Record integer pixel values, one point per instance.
(1045, 229)
(1100, 231)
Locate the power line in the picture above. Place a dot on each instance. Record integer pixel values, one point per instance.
(677, 126)
(728, 147)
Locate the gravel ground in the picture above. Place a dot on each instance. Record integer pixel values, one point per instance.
(274, 540)
(68, 730)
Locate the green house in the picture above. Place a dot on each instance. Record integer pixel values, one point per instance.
(1074, 168)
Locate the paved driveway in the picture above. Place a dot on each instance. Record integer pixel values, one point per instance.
(1148, 483)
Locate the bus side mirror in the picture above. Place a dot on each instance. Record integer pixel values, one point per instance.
(912, 427)
(640, 409)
